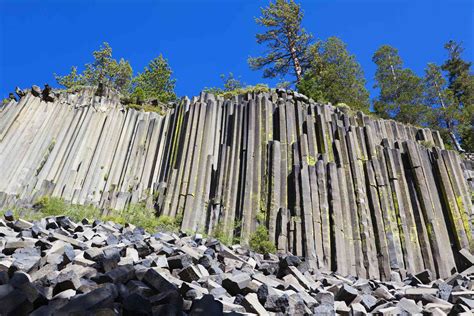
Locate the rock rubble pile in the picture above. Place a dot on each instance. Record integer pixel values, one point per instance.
(56, 266)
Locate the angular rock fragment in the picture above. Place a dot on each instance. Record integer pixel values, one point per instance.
(97, 299)
(252, 305)
(236, 283)
(347, 294)
(42, 274)
(207, 305)
(157, 281)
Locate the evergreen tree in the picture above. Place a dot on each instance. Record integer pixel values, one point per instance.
(444, 113)
(122, 75)
(401, 91)
(101, 69)
(460, 80)
(461, 86)
(73, 79)
(156, 81)
(230, 83)
(104, 70)
(286, 40)
(335, 76)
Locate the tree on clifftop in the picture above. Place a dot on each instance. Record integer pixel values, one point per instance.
(401, 91)
(230, 83)
(104, 70)
(335, 76)
(444, 114)
(155, 81)
(461, 86)
(286, 40)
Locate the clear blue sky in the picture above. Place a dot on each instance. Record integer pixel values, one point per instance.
(203, 39)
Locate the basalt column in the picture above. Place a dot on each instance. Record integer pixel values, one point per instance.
(350, 193)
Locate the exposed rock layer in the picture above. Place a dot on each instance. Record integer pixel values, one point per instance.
(353, 194)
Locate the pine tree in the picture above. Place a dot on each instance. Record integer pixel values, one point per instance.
(122, 75)
(461, 86)
(104, 70)
(101, 69)
(444, 107)
(71, 80)
(401, 91)
(230, 83)
(335, 76)
(156, 81)
(458, 69)
(286, 40)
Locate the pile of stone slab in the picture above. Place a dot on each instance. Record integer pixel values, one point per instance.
(56, 266)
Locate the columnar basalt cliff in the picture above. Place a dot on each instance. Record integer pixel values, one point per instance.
(351, 193)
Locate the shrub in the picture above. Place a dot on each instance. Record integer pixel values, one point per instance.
(344, 108)
(227, 94)
(147, 108)
(249, 89)
(136, 214)
(167, 223)
(427, 144)
(221, 235)
(54, 206)
(259, 241)
(50, 206)
(139, 215)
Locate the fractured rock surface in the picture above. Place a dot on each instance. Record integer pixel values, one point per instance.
(350, 193)
(117, 279)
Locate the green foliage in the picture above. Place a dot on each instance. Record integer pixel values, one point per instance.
(233, 87)
(53, 206)
(230, 84)
(155, 82)
(139, 215)
(286, 40)
(222, 236)
(461, 87)
(122, 76)
(71, 80)
(428, 144)
(167, 223)
(261, 215)
(136, 214)
(401, 91)
(260, 87)
(445, 110)
(5, 101)
(311, 160)
(259, 241)
(460, 80)
(104, 69)
(335, 76)
(283, 84)
(466, 129)
(138, 96)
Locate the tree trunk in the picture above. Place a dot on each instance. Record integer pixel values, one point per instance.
(449, 124)
(296, 63)
(392, 69)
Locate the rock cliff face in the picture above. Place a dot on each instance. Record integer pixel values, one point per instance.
(352, 194)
